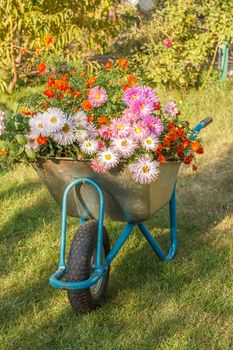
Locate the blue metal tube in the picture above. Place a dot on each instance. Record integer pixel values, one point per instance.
(155, 246)
(62, 264)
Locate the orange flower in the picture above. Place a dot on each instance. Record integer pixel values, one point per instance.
(161, 159)
(90, 118)
(125, 87)
(166, 142)
(159, 148)
(41, 67)
(131, 80)
(83, 74)
(123, 63)
(87, 93)
(3, 152)
(73, 72)
(108, 65)
(61, 96)
(23, 51)
(188, 159)
(90, 81)
(186, 143)
(41, 140)
(102, 120)
(49, 93)
(77, 93)
(25, 112)
(87, 106)
(51, 82)
(197, 147)
(64, 77)
(48, 39)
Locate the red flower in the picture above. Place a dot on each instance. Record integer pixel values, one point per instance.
(51, 82)
(197, 147)
(102, 120)
(90, 81)
(90, 118)
(132, 80)
(108, 65)
(167, 43)
(41, 140)
(125, 87)
(87, 106)
(186, 143)
(157, 106)
(41, 67)
(161, 159)
(77, 93)
(64, 77)
(49, 93)
(188, 159)
(159, 148)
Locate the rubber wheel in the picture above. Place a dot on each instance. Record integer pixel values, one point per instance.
(80, 267)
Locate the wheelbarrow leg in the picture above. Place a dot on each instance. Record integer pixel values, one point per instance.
(173, 234)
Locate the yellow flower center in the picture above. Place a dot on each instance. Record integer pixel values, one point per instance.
(142, 107)
(53, 119)
(97, 96)
(134, 97)
(145, 169)
(88, 144)
(40, 125)
(66, 128)
(124, 143)
(138, 130)
(120, 127)
(148, 141)
(108, 156)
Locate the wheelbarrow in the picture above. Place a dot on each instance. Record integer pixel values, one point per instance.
(90, 196)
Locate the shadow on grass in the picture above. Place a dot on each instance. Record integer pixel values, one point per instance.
(204, 199)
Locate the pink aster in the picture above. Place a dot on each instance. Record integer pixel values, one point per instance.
(120, 128)
(132, 94)
(154, 125)
(98, 167)
(105, 132)
(171, 109)
(97, 96)
(139, 130)
(128, 116)
(142, 107)
(149, 94)
(167, 43)
(101, 145)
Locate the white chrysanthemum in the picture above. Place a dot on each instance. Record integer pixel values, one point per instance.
(55, 119)
(150, 143)
(144, 170)
(39, 126)
(89, 146)
(66, 135)
(80, 118)
(125, 147)
(91, 130)
(81, 135)
(31, 144)
(108, 158)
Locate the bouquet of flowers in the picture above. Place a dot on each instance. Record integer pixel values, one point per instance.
(101, 113)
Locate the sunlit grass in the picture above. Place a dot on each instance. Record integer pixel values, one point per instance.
(182, 305)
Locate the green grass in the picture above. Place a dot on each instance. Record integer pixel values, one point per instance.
(185, 304)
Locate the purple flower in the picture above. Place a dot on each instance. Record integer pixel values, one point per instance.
(155, 125)
(132, 94)
(171, 109)
(145, 170)
(97, 96)
(142, 107)
(149, 94)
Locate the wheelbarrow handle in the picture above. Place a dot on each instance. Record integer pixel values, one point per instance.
(202, 124)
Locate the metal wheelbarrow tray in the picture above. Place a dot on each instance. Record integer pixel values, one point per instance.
(125, 200)
(91, 197)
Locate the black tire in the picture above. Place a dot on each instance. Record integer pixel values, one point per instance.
(79, 267)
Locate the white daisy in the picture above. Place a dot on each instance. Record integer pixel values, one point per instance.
(39, 126)
(66, 135)
(55, 119)
(81, 135)
(80, 118)
(125, 147)
(144, 170)
(89, 146)
(150, 143)
(108, 158)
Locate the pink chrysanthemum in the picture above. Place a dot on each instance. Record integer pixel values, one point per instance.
(139, 131)
(171, 109)
(155, 125)
(149, 94)
(101, 145)
(128, 116)
(132, 94)
(98, 167)
(119, 128)
(144, 170)
(105, 132)
(97, 96)
(142, 107)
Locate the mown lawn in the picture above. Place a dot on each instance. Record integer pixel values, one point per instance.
(185, 304)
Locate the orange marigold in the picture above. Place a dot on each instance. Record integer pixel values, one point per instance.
(49, 93)
(41, 140)
(3, 152)
(90, 81)
(41, 67)
(123, 63)
(87, 106)
(90, 118)
(197, 147)
(188, 159)
(102, 120)
(132, 80)
(161, 159)
(77, 93)
(48, 39)
(108, 65)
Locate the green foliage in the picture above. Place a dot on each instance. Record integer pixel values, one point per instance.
(29, 28)
(195, 29)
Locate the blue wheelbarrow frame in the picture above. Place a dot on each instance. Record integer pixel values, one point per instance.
(100, 266)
